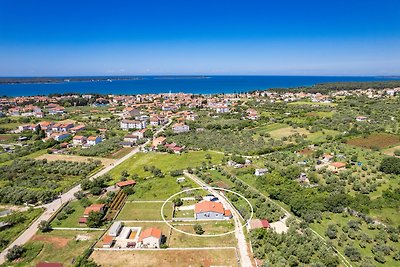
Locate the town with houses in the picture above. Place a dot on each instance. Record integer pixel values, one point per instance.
(207, 180)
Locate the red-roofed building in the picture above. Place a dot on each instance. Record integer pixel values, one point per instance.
(209, 210)
(150, 238)
(94, 208)
(107, 241)
(126, 183)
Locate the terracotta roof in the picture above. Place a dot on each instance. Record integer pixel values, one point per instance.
(150, 232)
(227, 213)
(338, 164)
(82, 220)
(94, 208)
(126, 183)
(206, 206)
(92, 138)
(107, 239)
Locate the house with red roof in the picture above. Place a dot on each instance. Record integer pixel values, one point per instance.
(125, 183)
(209, 210)
(94, 208)
(150, 238)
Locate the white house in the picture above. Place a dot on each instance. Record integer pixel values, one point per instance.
(150, 238)
(180, 128)
(78, 140)
(260, 172)
(115, 229)
(132, 124)
(222, 109)
(93, 140)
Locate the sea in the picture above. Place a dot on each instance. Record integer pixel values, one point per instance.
(177, 84)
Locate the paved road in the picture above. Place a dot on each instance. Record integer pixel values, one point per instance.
(51, 208)
(243, 247)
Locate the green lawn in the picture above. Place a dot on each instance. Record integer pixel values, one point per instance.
(163, 161)
(184, 214)
(72, 220)
(13, 232)
(159, 188)
(145, 211)
(57, 246)
(178, 239)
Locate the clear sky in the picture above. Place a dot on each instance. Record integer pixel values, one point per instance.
(271, 37)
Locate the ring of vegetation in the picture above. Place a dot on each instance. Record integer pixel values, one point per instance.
(201, 188)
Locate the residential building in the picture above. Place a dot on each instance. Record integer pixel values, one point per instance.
(132, 124)
(209, 210)
(150, 238)
(260, 172)
(93, 140)
(180, 128)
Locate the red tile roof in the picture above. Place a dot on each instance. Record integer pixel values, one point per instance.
(94, 208)
(107, 239)
(150, 232)
(126, 183)
(206, 206)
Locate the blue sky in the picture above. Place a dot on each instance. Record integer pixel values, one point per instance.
(296, 37)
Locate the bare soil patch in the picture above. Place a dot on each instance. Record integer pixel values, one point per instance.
(375, 141)
(58, 242)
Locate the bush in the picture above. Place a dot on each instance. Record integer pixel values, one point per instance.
(390, 165)
(15, 252)
(44, 226)
(198, 229)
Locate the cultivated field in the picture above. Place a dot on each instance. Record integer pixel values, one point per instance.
(176, 258)
(375, 141)
(53, 157)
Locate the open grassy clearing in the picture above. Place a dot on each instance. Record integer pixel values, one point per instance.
(270, 127)
(286, 131)
(72, 220)
(58, 246)
(160, 188)
(184, 214)
(14, 231)
(145, 211)
(375, 141)
(178, 239)
(54, 157)
(321, 114)
(163, 161)
(177, 258)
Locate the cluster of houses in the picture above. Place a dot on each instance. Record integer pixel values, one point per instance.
(162, 141)
(132, 139)
(121, 236)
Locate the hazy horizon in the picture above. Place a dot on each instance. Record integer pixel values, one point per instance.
(124, 38)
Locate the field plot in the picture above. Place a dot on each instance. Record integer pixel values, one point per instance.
(177, 258)
(287, 131)
(54, 157)
(120, 153)
(375, 141)
(163, 161)
(61, 246)
(179, 240)
(145, 211)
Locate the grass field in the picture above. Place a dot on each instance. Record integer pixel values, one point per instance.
(145, 211)
(180, 240)
(163, 161)
(177, 258)
(184, 214)
(158, 188)
(120, 153)
(375, 141)
(61, 246)
(13, 232)
(286, 131)
(72, 220)
(54, 157)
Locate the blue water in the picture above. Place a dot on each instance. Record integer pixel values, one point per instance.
(154, 84)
